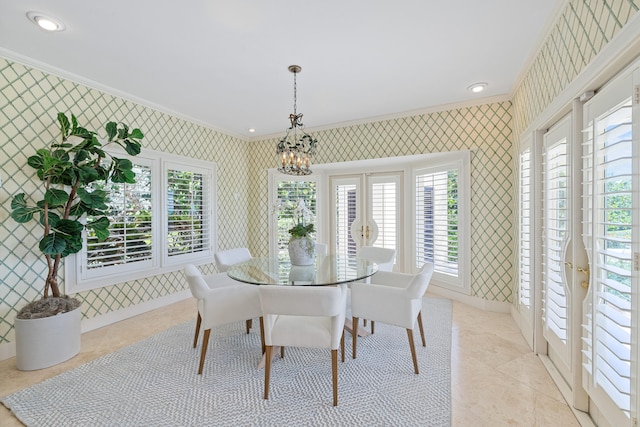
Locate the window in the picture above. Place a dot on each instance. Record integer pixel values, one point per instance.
(188, 208)
(130, 241)
(158, 224)
(441, 220)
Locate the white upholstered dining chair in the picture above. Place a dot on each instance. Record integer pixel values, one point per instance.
(392, 298)
(227, 258)
(385, 258)
(303, 316)
(224, 261)
(219, 306)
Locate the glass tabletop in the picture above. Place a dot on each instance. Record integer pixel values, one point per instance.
(326, 270)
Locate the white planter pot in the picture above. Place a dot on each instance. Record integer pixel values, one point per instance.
(302, 251)
(45, 342)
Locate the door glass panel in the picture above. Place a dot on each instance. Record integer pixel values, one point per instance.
(607, 352)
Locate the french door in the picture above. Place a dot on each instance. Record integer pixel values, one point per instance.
(586, 286)
(611, 233)
(366, 212)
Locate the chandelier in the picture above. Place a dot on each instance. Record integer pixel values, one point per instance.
(296, 148)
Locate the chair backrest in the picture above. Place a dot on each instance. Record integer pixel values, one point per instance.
(196, 282)
(384, 257)
(302, 300)
(420, 282)
(322, 249)
(225, 259)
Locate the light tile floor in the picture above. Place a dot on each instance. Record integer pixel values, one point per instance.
(496, 380)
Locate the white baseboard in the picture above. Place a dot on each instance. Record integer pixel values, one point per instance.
(477, 302)
(8, 350)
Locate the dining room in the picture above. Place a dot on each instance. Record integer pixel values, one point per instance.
(401, 150)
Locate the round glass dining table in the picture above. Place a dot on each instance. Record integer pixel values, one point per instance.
(326, 270)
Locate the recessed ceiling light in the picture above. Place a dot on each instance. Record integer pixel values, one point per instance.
(252, 130)
(46, 22)
(477, 87)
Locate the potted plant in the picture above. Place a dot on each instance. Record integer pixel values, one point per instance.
(70, 170)
(301, 244)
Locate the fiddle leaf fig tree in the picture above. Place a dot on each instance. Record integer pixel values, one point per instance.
(69, 170)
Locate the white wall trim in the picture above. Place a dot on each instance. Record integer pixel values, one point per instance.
(473, 301)
(8, 350)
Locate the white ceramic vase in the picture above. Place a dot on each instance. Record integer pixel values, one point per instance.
(45, 342)
(301, 251)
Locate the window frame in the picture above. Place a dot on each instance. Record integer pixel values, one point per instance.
(460, 160)
(76, 281)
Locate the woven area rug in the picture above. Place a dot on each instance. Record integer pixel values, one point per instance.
(155, 383)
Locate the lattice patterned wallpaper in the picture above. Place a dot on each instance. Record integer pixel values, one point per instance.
(29, 102)
(485, 129)
(582, 30)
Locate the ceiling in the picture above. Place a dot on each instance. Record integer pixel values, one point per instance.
(224, 64)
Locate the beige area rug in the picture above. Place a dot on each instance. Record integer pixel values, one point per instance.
(155, 383)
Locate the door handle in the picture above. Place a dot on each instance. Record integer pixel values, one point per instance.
(367, 232)
(584, 283)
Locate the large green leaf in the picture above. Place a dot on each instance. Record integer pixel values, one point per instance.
(56, 197)
(88, 174)
(52, 244)
(20, 211)
(73, 245)
(64, 124)
(132, 147)
(112, 130)
(19, 201)
(93, 200)
(136, 134)
(53, 218)
(100, 227)
(22, 215)
(69, 229)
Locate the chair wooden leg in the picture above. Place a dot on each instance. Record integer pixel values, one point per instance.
(364, 322)
(342, 345)
(373, 324)
(354, 336)
(249, 323)
(282, 352)
(424, 343)
(334, 375)
(198, 323)
(205, 345)
(267, 371)
(413, 350)
(262, 333)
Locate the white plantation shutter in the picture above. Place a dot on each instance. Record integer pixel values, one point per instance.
(524, 229)
(555, 214)
(384, 211)
(130, 237)
(611, 238)
(188, 211)
(346, 211)
(436, 220)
